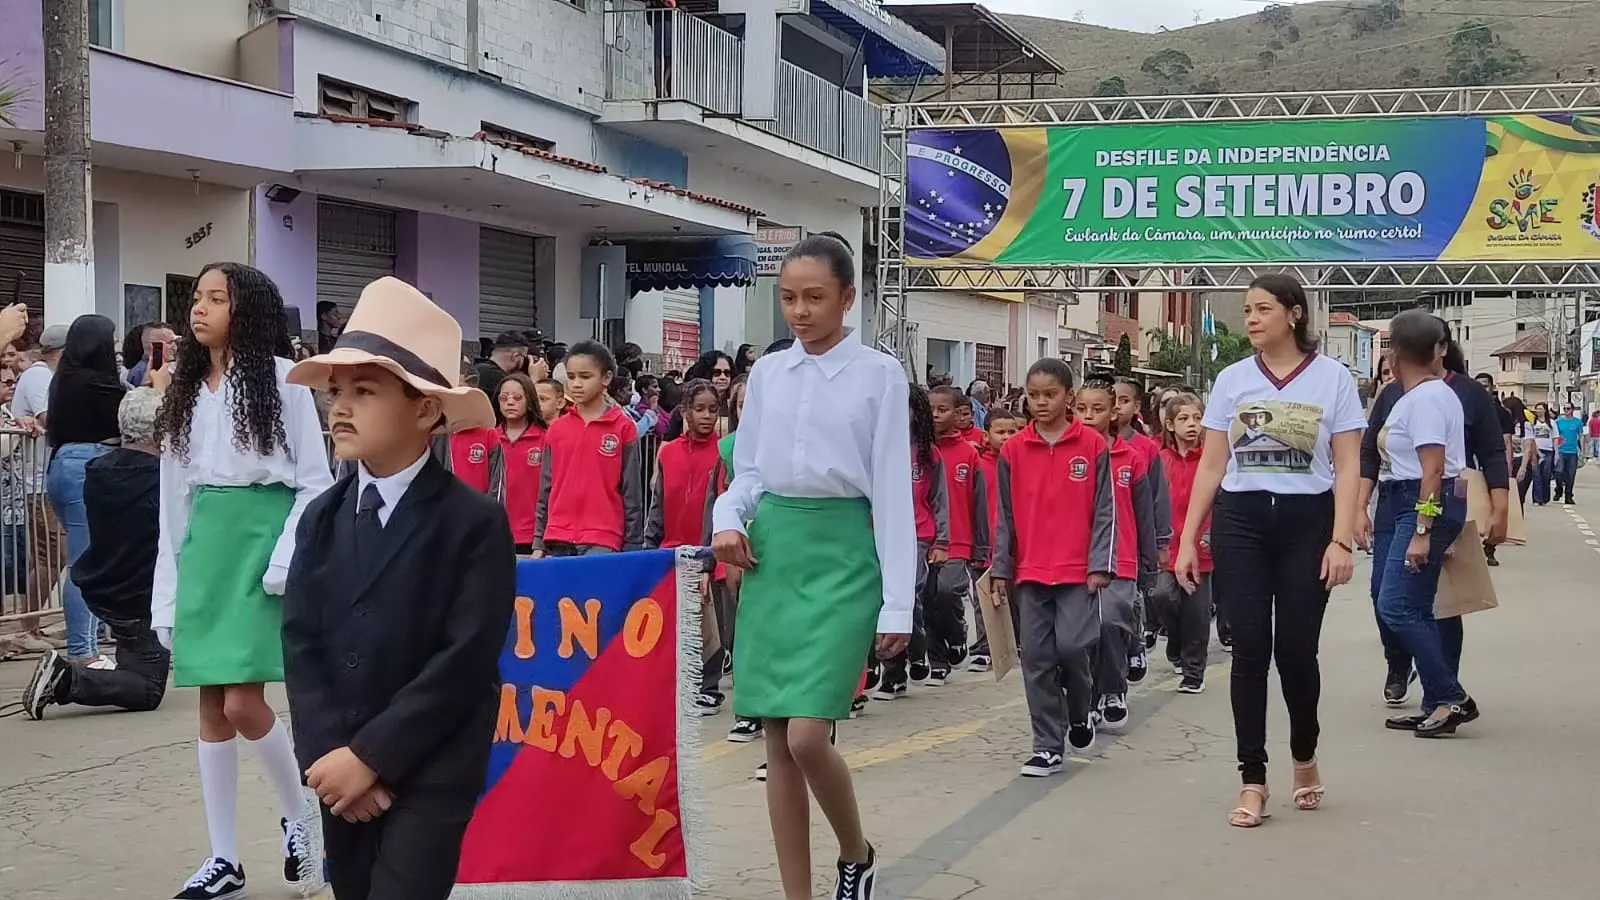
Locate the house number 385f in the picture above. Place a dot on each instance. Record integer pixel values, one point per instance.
(199, 235)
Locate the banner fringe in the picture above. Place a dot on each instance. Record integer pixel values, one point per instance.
(691, 782)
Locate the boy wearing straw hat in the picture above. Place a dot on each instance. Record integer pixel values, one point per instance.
(398, 601)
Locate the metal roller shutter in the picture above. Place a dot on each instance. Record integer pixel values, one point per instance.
(22, 250)
(680, 330)
(506, 292)
(355, 247)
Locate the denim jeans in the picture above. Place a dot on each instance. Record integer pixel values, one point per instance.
(64, 483)
(1566, 473)
(1543, 471)
(1383, 537)
(1405, 596)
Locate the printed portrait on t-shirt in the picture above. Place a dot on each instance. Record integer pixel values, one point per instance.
(1384, 466)
(1274, 436)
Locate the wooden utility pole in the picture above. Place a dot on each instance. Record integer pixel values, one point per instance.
(68, 194)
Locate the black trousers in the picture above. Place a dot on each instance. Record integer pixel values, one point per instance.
(410, 852)
(946, 596)
(137, 684)
(1187, 618)
(1268, 550)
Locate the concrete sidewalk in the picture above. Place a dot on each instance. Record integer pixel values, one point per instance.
(107, 805)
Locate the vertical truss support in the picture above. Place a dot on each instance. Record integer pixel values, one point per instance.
(891, 299)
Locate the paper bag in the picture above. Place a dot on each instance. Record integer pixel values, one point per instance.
(997, 625)
(1478, 508)
(1464, 582)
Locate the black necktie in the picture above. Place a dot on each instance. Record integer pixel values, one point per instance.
(369, 528)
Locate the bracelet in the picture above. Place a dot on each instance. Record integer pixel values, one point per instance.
(1341, 545)
(1429, 508)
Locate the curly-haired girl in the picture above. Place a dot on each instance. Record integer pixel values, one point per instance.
(242, 456)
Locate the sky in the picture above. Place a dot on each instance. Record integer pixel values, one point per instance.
(1133, 15)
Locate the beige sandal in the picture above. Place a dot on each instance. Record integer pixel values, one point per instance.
(1309, 797)
(1242, 816)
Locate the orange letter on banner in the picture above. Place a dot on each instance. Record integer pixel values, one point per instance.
(509, 727)
(644, 847)
(585, 627)
(542, 722)
(524, 620)
(625, 742)
(643, 629)
(645, 783)
(590, 735)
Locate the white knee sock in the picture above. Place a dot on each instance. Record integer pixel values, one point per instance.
(277, 757)
(219, 788)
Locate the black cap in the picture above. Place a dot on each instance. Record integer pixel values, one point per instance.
(511, 340)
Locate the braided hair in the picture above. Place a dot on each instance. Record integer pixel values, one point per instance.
(255, 335)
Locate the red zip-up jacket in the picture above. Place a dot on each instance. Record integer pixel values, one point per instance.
(1057, 511)
(975, 436)
(477, 458)
(1135, 519)
(524, 458)
(683, 492)
(931, 501)
(989, 465)
(968, 503)
(591, 492)
(1181, 469)
(1150, 451)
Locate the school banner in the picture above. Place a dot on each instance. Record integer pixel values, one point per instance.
(593, 774)
(1515, 188)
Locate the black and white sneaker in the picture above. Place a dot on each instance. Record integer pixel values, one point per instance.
(1397, 687)
(707, 704)
(1192, 686)
(42, 688)
(937, 677)
(1042, 764)
(1150, 638)
(857, 705)
(1080, 737)
(874, 675)
(858, 881)
(889, 689)
(745, 730)
(761, 772)
(296, 850)
(218, 879)
(919, 672)
(1177, 665)
(1138, 666)
(1114, 711)
(980, 663)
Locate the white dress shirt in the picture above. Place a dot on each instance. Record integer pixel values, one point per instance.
(392, 488)
(834, 425)
(214, 461)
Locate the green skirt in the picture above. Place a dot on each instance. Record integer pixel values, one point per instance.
(227, 629)
(808, 611)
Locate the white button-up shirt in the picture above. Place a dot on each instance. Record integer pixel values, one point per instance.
(214, 461)
(392, 488)
(834, 425)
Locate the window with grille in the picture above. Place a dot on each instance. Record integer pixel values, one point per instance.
(339, 99)
(515, 138)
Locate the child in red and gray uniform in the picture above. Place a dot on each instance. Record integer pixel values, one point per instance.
(521, 436)
(1128, 399)
(1187, 615)
(591, 493)
(1054, 549)
(951, 590)
(1002, 424)
(1134, 553)
(931, 502)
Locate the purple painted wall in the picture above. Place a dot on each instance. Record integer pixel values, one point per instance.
(286, 249)
(439, 255)
(22, 59)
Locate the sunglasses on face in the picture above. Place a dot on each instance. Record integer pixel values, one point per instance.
(722, 372)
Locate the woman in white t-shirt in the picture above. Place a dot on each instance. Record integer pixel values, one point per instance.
(1543, 429)
(1421, 447)
(1278, 427)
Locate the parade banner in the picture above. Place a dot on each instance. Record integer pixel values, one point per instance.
(591, 778)
(1515, 188)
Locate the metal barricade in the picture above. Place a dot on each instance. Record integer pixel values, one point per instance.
(33, 545)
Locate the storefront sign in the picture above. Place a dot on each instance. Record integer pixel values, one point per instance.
(585, 795)
(1516, 188)
(773, 242)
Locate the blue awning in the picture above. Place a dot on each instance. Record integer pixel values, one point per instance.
(681, 264)
(893, 48)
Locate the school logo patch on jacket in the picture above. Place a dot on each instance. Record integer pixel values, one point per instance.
(534, 456)
(608, 445)
(477, 453)
(1078, 469)
(963, 472)
(916, 472)
(1125, 475)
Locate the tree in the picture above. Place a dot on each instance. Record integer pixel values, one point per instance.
(1122, 363)
(1208, 85)
(1079, 17)
(1277, 16)
(1111, 87)
(1266, 58)
(1167, 65)
(1169, 354)
(10, 103)
(1378, 16)
(1477, 56)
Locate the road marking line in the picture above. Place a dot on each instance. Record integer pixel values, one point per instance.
(1592, 542)
(1578, 519)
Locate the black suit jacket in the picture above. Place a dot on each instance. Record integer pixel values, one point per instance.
(399, 660)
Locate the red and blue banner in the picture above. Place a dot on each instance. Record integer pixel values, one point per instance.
(586, 791)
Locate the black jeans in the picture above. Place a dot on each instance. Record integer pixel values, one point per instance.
(1268, 550)
(139, 681)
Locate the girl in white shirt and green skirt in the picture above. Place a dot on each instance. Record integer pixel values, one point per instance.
(819, 516)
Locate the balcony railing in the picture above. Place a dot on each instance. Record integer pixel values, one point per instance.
(669, 55)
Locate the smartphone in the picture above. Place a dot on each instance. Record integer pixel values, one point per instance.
(158, 355)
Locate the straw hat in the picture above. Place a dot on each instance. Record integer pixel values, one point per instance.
(398, 328)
